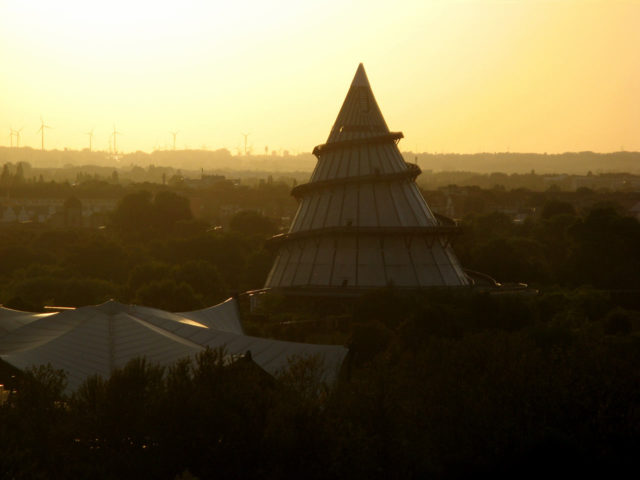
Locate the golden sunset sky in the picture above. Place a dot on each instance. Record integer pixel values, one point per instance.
(454, 76)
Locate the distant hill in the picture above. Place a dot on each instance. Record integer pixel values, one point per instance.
(220, 159)
(579, 163)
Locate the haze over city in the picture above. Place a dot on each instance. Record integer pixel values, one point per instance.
(339, 239)
(454, 76)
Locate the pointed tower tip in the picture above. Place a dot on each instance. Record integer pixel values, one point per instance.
(360, 115)
(360, 79)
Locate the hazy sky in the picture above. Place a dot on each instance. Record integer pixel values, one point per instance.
(454, 76)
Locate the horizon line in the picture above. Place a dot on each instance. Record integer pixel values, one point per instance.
(290, 153)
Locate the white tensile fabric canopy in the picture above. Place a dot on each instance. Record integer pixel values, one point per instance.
(96, 339)
(11, 319)
(222, 317)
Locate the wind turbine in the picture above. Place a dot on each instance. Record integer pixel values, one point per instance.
(11, 133)
(245, 135)
(115, 134)
(41, 131)
(175, 134)
(90, 138)
(17, 133)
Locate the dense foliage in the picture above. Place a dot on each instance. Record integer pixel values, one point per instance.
(153, 253)
(598, 249)
(443, 384)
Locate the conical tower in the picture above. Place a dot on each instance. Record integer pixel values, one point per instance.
(362, 222)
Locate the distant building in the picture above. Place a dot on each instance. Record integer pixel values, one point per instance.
(204, 181)
(57, 212)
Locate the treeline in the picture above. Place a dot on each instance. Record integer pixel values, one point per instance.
(520, 203)
(579, 163)
(153, 253)
(597, 248)
(602, 182)
(52, 163)
(153, 250)
(185, 159)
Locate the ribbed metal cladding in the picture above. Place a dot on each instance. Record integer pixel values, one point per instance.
(362, 221)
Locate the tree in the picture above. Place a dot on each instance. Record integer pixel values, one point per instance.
(605, 250)
(203, 278)
(169, 208)
(19, 176)
(5, 177)
(166, 294)
(250, 222)
(138, 214)
(557, 207)
(134, 212)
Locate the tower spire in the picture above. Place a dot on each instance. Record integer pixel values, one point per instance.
(360, 78)
(362, 222)
(359, 116)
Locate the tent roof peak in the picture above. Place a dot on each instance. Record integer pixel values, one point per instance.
(360, 78)
(359, 116)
